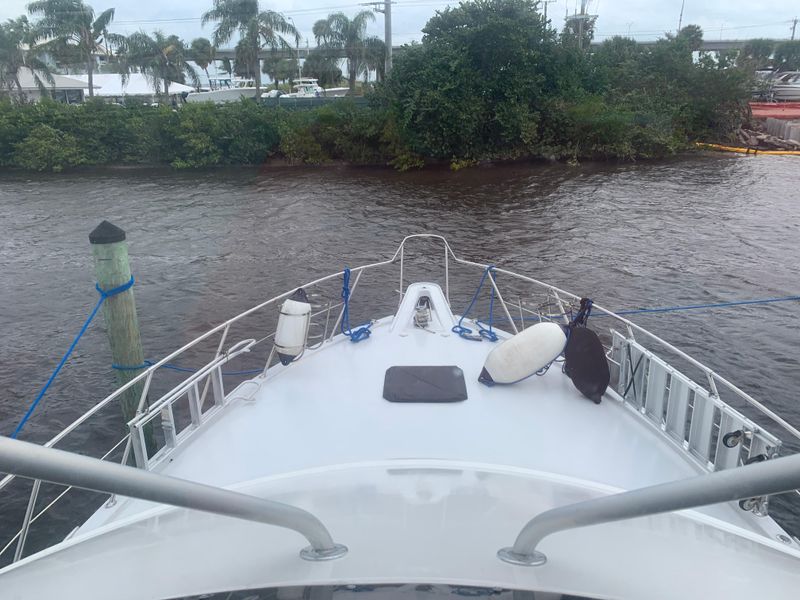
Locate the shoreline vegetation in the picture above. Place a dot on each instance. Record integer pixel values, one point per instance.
(491, 81)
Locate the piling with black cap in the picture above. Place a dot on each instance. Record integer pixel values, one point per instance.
(112, 269)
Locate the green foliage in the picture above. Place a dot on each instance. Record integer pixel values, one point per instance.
(279, 69)
(341, 32)
(489, 81)
(787, 56)
(71, 32)
(322, 67)
(756, 54)
(48, 149)
(506, 86)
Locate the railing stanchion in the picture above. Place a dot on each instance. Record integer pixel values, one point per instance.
(447, 273)
(26, 522)
(402, 261)
(216, 356)
(503, 304)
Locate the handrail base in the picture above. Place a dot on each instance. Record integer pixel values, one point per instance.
(534, 559)
(312, 554)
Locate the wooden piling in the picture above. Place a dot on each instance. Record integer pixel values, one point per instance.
(112, 269)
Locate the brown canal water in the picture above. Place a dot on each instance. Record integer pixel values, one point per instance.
(206, 246)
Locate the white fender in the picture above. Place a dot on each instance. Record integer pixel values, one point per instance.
(290, 335)
(522, 355)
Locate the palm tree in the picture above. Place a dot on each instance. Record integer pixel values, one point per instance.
(374, 58)
(339, 31)
(16, 53)
(245, 60)
(202, 53)
(279, 69)
(257, 29)
(71, 24)
(159, 58)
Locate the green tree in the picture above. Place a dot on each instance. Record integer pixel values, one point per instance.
(245, 61)
(374, 58)
(787, 56)
(257, 29)
(18, 52)
(48, 149)
(73, 31)
(159, 58)
(279, 69)
(495, 65)
(320, 65)
(202, 53)
(756, 54)
(341, 32)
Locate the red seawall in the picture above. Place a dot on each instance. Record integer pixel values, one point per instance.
(784, 110)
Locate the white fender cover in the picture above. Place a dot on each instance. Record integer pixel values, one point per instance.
(522, 355)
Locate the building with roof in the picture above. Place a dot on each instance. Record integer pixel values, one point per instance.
(137, 87)
(70, 90)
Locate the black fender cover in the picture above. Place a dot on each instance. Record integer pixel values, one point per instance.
(585, 363)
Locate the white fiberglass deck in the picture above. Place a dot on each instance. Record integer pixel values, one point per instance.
(411, 521)
(327, 409)
(419, 492)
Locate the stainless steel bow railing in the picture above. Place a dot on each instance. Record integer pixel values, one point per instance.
(761, 479)
(208, 378)
(66, 468)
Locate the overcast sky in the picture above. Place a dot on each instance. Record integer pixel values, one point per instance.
(731, 19)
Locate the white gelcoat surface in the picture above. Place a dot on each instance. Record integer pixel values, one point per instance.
(419, 492)
(412, 521)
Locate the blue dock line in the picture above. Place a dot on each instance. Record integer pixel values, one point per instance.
(360, 333)
(104, 295)
(640, 311)
(483, 333)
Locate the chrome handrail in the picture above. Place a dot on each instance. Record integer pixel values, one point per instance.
(66, 468)
(758, 479)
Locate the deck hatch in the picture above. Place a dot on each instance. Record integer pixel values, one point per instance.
(424, 384)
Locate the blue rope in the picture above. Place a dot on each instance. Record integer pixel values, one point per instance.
(360, 333)
(702, 306)
(104, 294)
(483, 333)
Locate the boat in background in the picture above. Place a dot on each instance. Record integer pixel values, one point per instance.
(224, 89)
(308, 87)
(617, 467)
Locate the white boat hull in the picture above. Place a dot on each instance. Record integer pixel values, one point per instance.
(222, 96)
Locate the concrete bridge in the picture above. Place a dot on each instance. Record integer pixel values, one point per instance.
(708, 45)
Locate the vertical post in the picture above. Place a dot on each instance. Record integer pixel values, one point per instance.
(794, 27)
(112, 269)
(387, 33)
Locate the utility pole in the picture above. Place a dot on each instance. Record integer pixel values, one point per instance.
(385, 7)
(794, 27)
(546, 2)
(583, 20)
(680, 18)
